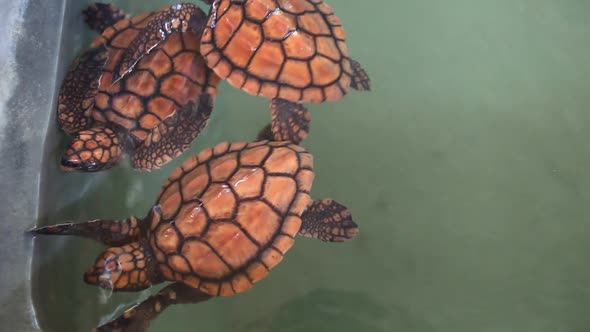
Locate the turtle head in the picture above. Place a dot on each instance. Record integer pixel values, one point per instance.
(126, 268)
(93, 150)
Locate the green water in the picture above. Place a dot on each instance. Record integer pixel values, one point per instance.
(466, 168)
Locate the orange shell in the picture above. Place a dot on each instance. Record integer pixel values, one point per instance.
(171, 75)
(291, 49)
(228, 215)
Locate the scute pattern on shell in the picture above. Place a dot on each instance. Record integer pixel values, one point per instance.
(170, 76)
(224, 218)
(293, 50)
(102, 145)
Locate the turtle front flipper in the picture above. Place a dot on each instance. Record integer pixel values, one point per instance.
(100, 16)
(139, 317)
(360, 79)
(328, 221)
(76, 96)
(289, 120)
(181, 17)
(109, 232)
(173, 135)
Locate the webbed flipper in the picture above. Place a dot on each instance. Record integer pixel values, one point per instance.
(109, 232)
(265, 134)
(360, 79)
(329, 221)
(181, 17)
(139, 317)
(76, 96)
(100, 16)
(289, 121)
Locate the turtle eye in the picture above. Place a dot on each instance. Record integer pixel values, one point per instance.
(75, 164)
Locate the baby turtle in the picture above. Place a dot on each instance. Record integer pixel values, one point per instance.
(288, 51)
(221, 222)
(154, 113)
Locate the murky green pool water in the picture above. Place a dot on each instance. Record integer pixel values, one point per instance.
(467, 168)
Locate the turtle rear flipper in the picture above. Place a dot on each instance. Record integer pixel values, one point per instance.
(76, 96)
(139, 317)
(360, 79)
(100, 16)
(109, 232)
(289, 120)
(328, 221)
(265, 134)
(173, 135)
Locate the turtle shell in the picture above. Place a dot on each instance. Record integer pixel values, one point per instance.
(294, 50)
(224, 218)
(170, 76)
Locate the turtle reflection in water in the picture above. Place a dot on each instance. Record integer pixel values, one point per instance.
(221, 222)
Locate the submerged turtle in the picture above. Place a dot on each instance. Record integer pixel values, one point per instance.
(221, 222)
(153, 113)
(288, 51)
